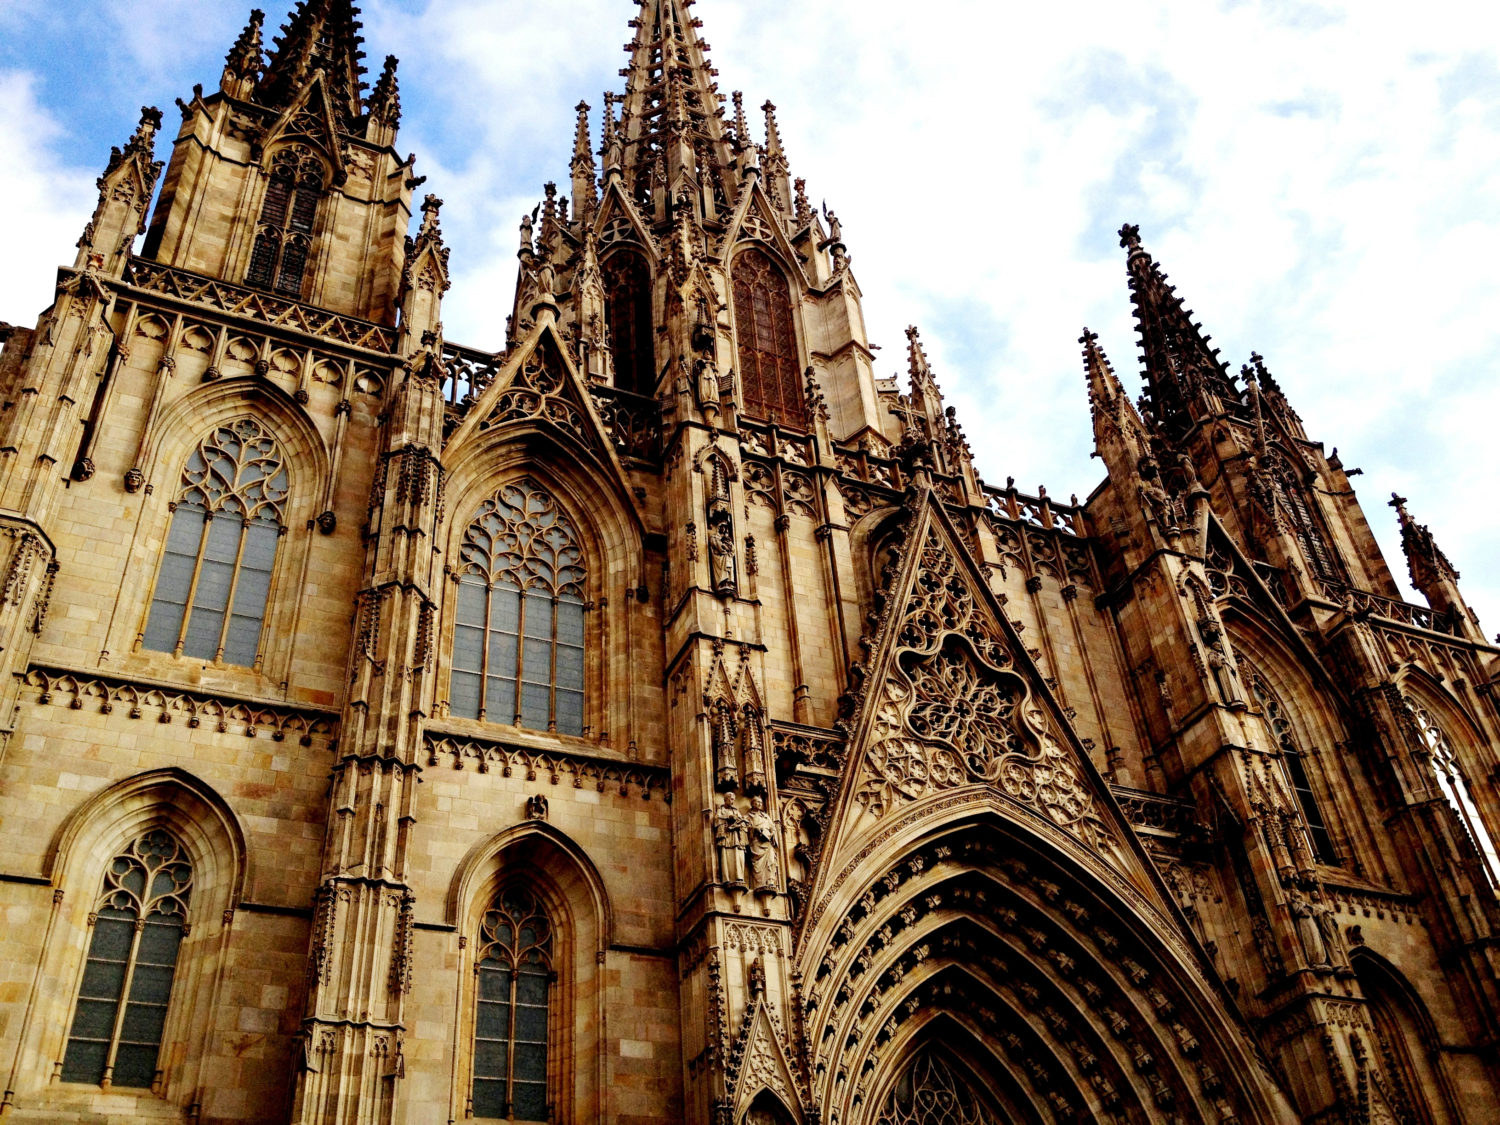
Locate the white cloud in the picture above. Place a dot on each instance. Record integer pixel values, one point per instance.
(1317, 178)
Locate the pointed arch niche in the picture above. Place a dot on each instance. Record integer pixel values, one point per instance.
(1409, 1053)
(770, 375)
(535, 921)
(627, 309)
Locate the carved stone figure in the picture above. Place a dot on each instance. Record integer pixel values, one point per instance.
(721, 557)
(765, 865)
(1328, 926)
(1309, 932)
(730, 840)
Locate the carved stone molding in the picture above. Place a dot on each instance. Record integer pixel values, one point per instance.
(552, 765)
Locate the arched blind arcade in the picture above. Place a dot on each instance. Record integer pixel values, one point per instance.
(1455, 787)
(138, 925)
(215, 578)
(627, 304)
(283, 236)
(769, 374)
(513, 970)
(518, 635)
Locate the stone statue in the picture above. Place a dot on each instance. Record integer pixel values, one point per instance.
(721, 556)
(1308, 930)
(765, 867)
(1328, 926)
(729, 838)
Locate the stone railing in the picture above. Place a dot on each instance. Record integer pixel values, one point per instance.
(237, 300)
(1418, 616)
(1155, 813)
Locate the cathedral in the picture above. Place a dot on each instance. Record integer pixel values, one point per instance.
(659, 720)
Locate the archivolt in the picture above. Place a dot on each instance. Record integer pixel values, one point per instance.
(1052, 978)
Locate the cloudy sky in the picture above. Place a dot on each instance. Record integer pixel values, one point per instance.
(1320, 180)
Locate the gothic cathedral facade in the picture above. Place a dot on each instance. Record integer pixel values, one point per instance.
(659, 720)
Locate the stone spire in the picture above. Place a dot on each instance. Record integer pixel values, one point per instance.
(1431, 572)
(384, 104)
(585, 185)
(124, 191)
(1183, 369)
(424, 279)
(321, 36)
(1115, 418)
(672, 126)
(242, 66)
(775, 167)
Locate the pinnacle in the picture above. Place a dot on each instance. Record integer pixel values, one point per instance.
(319, 35)
(245, 57)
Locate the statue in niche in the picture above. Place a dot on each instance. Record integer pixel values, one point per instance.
(754, 753)
(1328, 926)
(1308, 930)
(726, 753)
(730, 840)
(721, 557)
(765, 867)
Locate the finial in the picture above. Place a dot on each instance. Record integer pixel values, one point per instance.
(803, 207)
(916, 357)
(244, 59)
(1399, 503)
(1130, 237)
(385, 99)
(741, 126)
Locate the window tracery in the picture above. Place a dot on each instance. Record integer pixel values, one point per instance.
(513, 971)
(627, 303)
(1294, 763)
(215, 578)
(930, 1093)
(138, 925)
(518, 633)
(769, 375)
(1455, 786)
(283, 236)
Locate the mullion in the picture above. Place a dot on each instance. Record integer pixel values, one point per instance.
(192, 590)
(114, 1035)
(234, 583)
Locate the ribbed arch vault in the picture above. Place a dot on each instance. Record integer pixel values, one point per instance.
(1066, 1001)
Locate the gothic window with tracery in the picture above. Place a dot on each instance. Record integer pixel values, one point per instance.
(1295, 764)
(1455, 786)
(518, 634)
(1304, 526)
(929, 1092)
(283, 236)
(138, 924)
(769, 375)
(215, 578)
(627, 304)
(513, 974)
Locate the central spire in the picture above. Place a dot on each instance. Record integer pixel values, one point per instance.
(672, 126)
(321, 35)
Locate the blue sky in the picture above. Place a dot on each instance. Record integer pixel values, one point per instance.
(1318, 179)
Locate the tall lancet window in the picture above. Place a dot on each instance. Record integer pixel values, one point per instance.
(627, 304)
(769, 374)
(215, 578)
(283, 236)
(1295, 763)
(518, 634)
(513, 970)
(138, 924)
(1455, 787)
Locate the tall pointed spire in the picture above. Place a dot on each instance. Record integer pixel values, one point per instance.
(776, 173)
(321, 35)
(1432, 573)
(242, 66)
(1108, 400)
(585, 186)
(384, 106)
(672, 124)
(1182, 366)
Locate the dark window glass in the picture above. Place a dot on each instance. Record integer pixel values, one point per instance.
(513, 977)
(279, 257)
(518, 627)
(127, 978)
(769, 376)
(627, 304)
(221, 549)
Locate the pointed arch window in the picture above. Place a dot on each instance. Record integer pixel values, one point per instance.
(627, 306)
(1455, 786)
(137, 927)
(215, 577)
(513, 971)
(1304, 526)
(1294, 762)
(769, 375)
(283, 236)
(928, 1091)
(518, 633)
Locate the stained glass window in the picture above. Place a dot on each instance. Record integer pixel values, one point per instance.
(215, 577)
(137, 926)
(1455, 787)
(930, 1092)
(769, 374)
(518, 634)
(627, 303)
(513, 971)
(1295, 764)
(283, 237)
